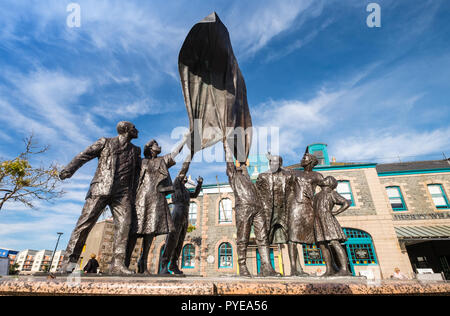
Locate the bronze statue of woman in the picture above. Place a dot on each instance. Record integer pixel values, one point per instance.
(152, 214)
(301, 212)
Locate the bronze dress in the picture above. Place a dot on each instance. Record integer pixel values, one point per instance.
(326, 226)
(152, 210)
(301, 212)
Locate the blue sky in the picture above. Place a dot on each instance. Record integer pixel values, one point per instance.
(313, 69)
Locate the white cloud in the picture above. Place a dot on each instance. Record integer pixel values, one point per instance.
(50, 98)
(253, 28)
(132, 110)
(388, 146)
(294, 118)
(299, 43)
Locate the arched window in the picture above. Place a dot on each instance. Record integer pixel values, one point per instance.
(188, 258)
(225, 255)
(225, 211)
(396, 198)
(359, 248)
(438, 195)
(193, 214)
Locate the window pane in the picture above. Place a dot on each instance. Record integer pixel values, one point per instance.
(397, 204)
(343, 187)
(439, 201)
(193, 214)
(225, 211)
(225, 256)
(435, 189)
(188, 256)
(393, 192)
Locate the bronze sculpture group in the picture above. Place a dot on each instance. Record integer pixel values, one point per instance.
(282, 206)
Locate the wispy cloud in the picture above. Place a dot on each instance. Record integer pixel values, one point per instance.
(254, 28)
(386, 146)
(294, 118)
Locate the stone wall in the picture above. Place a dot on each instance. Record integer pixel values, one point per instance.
(415, 191)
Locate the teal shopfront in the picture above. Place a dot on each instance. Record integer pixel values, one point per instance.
(359, 247)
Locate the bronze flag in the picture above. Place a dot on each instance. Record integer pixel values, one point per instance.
(214, 89)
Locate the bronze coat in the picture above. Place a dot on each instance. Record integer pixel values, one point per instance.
(274, 189)
(301, 212)
(104, 150)
(152, 210)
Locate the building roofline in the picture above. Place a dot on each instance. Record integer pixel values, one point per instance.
(413, 167)
(339, 167)
(418, 171)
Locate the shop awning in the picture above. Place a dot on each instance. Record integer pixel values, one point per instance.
(423, 232)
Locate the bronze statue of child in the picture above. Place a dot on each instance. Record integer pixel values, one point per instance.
(327, 231)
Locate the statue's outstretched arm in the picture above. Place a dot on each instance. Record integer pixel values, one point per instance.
(198, 188)
(88, 154)
(180, 146)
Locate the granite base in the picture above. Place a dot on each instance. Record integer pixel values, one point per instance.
(138, 285)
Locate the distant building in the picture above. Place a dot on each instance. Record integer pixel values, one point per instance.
(42, 261)
(57, 260)
(8, 253)
(32, 261)
(399, 217)
(25, 259)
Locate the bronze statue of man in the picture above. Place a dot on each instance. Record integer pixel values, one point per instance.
(249, 211)
(180, 216)
(327, 230)
(273, 187)
(114, 184)
(152, 215)
(301, 212)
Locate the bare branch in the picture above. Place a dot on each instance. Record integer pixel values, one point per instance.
(23, 183)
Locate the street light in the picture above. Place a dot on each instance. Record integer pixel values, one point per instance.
(53, 256)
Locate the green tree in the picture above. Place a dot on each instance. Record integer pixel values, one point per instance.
(191, 228)
(13, 269)
(23, 183)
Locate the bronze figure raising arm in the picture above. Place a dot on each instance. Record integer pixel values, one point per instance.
(88, 154)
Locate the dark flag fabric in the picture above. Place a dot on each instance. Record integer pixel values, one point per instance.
(214, 89)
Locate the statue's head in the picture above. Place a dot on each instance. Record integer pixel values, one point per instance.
(127, 129)
(330, 182)
(152, 149)
(309, 159)
(275, 163)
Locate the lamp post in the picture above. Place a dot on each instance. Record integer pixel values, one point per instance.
(53, 256)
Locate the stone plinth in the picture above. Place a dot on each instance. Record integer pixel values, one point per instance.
(215, 286)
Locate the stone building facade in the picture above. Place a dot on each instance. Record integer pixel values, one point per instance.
(381, 235)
